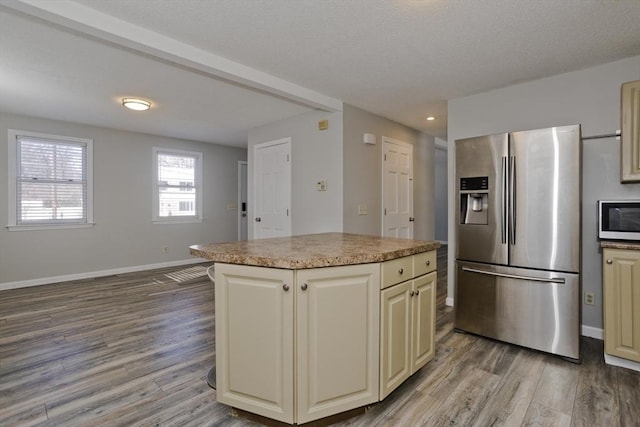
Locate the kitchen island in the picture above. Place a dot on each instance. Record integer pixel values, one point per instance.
(314, 325)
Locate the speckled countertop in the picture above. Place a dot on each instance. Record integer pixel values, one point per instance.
(312, 250)
(620, 244)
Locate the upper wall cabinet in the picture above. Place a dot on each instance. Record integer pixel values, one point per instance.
(630, 145)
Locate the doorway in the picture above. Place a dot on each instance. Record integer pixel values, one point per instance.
(397, 189)
(272, 189)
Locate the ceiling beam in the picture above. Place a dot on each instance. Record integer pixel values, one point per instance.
(105, 27)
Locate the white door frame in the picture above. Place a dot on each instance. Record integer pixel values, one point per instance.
(242, 177)
(254, 196)
(386, 140)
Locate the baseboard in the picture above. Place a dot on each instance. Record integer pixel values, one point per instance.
(443, 242)
(623, 363)
(449, 302)
(92, 274)
(590, 331)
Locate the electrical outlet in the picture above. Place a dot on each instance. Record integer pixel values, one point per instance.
(589, 298)
(165, 249)
(362, 209)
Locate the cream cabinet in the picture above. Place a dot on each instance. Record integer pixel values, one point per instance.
(630, 127)
(621, 270)
(297, 346)
(407, 318)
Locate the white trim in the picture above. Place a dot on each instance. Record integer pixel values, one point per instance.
(254, 195)
(590, 331)
(384, 141)
(48, 227)
(155, 212)
(12, 223)
(449, 302)
(623, 363)
(240, 178)
(93, 274)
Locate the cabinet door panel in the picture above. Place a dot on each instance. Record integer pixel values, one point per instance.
(395, 363)
(254, 340)
(622, 303)
(337, 339)
(424, 317)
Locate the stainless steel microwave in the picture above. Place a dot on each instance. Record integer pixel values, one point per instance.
(619, 219)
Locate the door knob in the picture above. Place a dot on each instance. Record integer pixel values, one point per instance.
(609, 261)
(411, 219)
(258, 219)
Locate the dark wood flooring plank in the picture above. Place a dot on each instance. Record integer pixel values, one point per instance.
(508, 405)
(629, 397)
(596, 396)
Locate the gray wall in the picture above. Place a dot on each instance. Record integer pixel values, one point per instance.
(363, 173)
(590, 97)
(123, 183)
(315, 155)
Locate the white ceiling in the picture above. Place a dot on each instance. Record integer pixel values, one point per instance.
(215, 68)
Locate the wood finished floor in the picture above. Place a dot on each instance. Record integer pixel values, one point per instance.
(134, 350)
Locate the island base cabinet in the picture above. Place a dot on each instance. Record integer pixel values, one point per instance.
(254, 339)
(407, 330)
(622, 303)
(296, 346)
(337, 339)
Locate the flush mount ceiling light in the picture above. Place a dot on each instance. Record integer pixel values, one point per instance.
(136, 104)
(431, 118)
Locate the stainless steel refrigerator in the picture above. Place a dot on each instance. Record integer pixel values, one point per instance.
(518, 240)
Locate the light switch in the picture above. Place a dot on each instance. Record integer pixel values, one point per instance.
(321, 185)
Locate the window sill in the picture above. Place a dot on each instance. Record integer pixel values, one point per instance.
(177, 221)
(41, 227)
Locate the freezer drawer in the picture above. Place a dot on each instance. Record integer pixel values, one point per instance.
(535, 309)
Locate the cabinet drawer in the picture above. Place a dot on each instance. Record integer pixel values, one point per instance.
(396, 271)
(424, 263)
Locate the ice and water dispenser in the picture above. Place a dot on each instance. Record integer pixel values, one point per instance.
(474, 200)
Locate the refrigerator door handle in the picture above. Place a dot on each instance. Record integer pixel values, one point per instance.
(515, 276)
(512, 200)
(503, 201)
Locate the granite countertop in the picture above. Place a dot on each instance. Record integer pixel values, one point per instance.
(620, 244)
(312, 250)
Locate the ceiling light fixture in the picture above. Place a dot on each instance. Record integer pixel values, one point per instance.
(431, 118)
(136, 104)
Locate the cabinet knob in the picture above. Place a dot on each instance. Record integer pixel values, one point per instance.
(609, 261)
(258, 219)
(401, 271)
(304, 286)
(411, 293)
(285, 287)
(428, 262)
(418, 292)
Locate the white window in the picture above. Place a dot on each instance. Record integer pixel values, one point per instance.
(178, 186)
(50, 181)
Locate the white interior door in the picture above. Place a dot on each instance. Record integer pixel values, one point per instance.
(242, 200)
(272, 195)
(397, 189)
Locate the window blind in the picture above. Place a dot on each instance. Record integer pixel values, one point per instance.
(51, 181)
